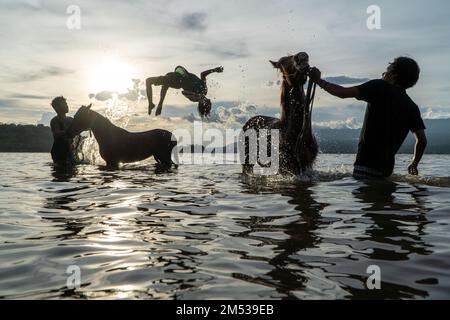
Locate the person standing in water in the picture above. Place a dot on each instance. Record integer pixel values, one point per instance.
(194, 88)
(62, 145)
(390, 115)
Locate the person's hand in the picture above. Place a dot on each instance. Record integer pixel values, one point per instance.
(412, 169)
(219, 69)
(315, 75)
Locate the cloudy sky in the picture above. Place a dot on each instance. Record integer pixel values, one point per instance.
(117, 41)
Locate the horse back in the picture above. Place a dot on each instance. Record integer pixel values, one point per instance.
(262, 122)
(129, 147)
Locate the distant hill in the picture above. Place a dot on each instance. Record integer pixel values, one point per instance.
(25, 138)
(346, 140)
(30, 138)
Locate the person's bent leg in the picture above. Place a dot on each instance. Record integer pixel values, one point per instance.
(170, 80)
(149, 82)
(148, 85)
(161, 100)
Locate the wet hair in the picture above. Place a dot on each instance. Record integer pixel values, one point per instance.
(405, 72)
(57, 105)
(204, 107)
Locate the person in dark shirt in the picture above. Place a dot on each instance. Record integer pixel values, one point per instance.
(194, 88)
(390, 115)
(62, 145)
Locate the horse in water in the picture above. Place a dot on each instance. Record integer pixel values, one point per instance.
(118, 145)
(298, 148)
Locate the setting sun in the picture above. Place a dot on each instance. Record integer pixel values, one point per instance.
(111, 74)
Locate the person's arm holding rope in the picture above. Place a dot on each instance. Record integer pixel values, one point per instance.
(331, 88)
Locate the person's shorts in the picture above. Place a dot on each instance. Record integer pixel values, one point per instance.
(172, 80)
(363, 172)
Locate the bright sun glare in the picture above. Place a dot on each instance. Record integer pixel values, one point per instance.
(111, 74)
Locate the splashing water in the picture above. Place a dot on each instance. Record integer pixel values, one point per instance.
(119, 109)
(122, 113)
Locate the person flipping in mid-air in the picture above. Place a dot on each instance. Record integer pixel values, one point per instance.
(194, 88)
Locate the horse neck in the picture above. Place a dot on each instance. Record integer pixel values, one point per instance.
(293, 98)
(101, 127)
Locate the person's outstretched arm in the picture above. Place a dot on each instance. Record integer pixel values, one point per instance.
(419, 149)
(206, 73)
(331, 88)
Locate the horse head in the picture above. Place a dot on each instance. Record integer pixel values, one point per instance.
(294, 68)
(296, 107)
(82, 121)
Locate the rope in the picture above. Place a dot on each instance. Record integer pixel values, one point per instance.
(312, 97)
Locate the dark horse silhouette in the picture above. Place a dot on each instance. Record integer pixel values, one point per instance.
(118, 145)
(298, 148)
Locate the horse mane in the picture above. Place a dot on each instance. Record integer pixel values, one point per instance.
(286, 95)
(286, 90)
(98, 117)
(283, 99)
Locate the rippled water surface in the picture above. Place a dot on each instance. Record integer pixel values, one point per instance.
(205, 232)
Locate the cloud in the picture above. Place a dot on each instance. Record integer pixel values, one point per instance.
(345, 80)
(349, 123)
(271, 83)
(29, 96)
(208, 32)
(133, 94)
(235, 116)
(336, 80)
(436, 113)
(46, 118)
(24, 4)
(102, 95)
(339, 113)
(230, 50)
(177, 117)
(9, 103)
(18, 111)
(193, 21)
(42, 74)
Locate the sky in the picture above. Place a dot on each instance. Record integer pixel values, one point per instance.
(119, 41)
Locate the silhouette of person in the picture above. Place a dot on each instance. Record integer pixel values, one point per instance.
(62, 144)
(194, 88)
(390, 115)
